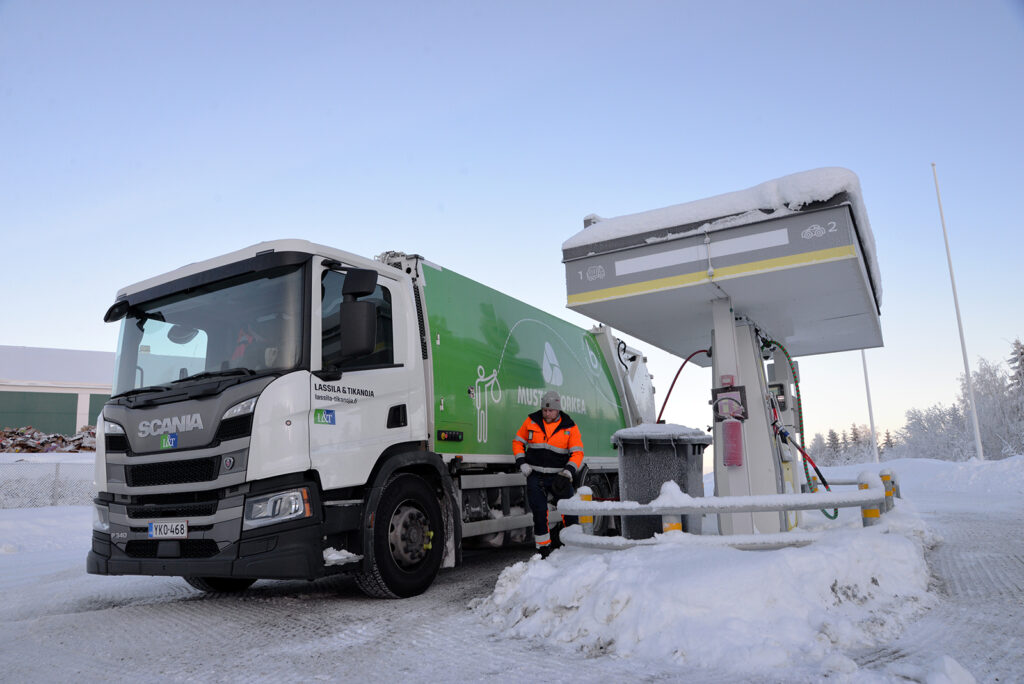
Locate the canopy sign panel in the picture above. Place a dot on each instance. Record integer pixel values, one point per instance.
(801, 276)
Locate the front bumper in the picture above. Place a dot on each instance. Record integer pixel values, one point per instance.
(217, 545)
(288, 554)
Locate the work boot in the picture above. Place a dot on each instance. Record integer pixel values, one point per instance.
(545, 551)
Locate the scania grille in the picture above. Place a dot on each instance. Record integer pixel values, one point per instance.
(173, 472)
(183, 510)
(232, 428)
(187, 548)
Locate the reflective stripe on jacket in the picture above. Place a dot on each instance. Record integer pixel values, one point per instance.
(549, 447)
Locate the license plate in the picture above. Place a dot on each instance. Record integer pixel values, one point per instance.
(168, 529)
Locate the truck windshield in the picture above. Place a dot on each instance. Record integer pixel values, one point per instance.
(247, 325)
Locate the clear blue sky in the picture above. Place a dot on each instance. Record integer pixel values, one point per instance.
(136, 137)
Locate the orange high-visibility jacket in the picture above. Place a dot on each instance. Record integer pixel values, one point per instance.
(549, 447)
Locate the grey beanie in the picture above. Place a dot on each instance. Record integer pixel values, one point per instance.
(551, 400)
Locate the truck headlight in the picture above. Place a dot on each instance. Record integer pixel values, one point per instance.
(101, 518)
(112, 428)
(240, 409)
(275, 508)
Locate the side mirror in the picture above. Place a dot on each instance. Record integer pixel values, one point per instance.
(357, 323)
(359, 282)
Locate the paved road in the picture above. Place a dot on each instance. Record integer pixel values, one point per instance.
(66, 626)
(978, 570)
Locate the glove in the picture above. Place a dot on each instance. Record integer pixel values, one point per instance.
(525, 469)
(566, 474)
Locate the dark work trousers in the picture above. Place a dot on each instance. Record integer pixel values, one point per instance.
(537, 487)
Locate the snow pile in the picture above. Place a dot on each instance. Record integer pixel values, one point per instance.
(333, 556)
(777, 197)
(671, 495)
(769, 613)
(1005, 476)
(719, 607)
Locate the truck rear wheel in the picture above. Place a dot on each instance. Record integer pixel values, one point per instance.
(603, 488)
(220, 585)
(408, 540)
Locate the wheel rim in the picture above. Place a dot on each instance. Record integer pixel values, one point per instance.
(409, 535)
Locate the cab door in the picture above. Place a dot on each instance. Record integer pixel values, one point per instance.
(359, 405)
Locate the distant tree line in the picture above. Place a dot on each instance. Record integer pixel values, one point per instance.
(943, 432)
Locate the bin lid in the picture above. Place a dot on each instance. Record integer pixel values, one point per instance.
(664, 432)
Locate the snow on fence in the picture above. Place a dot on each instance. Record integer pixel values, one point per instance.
(31, 484)
(873, 496)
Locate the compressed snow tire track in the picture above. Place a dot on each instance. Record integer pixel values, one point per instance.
(59, 624)
(978, 572)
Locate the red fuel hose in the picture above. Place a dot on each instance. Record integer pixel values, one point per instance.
(669, 393)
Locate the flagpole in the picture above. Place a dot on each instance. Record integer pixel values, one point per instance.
(871, 414)
(959, 322)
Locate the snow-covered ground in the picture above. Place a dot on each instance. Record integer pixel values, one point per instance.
(788, 613)
(935, 595)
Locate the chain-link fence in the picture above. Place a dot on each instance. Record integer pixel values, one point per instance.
(26, 484)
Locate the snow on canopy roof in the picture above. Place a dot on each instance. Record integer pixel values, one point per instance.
(775, 198)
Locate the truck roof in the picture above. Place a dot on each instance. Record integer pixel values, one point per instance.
(285, 245)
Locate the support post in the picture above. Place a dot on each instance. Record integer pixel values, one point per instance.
(959, 323)
(886, 476)
(871, 413)
(586, 521)
(671, 522)
(869, 513)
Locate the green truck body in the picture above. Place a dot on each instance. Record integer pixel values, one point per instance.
(493, 357)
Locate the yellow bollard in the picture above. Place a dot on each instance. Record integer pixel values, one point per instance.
(886, 476)
(671, 522)
(869, 514)
(587, 521)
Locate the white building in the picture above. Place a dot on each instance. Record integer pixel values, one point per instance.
(53, 390)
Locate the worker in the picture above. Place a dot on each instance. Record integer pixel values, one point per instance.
(549, 452)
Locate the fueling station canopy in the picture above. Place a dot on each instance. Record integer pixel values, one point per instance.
(795, 255)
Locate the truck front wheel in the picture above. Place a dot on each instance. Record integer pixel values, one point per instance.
(408, 540)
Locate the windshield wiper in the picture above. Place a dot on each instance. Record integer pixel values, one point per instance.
(217, 374)
(141, 390)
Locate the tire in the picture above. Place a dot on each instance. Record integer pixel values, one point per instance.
(601, 488)
(220, 585)
(408, 540)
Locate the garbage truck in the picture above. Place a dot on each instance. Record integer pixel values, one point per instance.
(292, 411)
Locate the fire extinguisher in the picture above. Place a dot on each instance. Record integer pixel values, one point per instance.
(732, 434)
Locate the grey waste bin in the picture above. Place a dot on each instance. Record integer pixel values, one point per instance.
(650, 455)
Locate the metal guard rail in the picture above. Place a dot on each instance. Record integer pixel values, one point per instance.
(874, 496)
